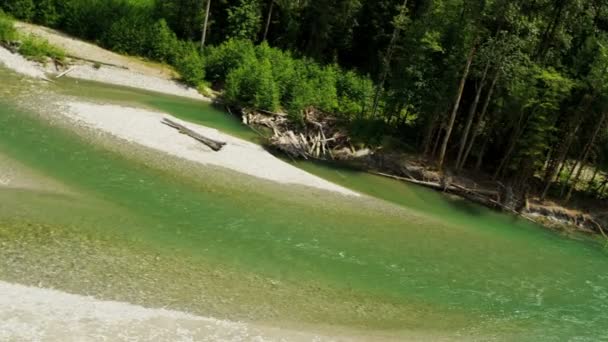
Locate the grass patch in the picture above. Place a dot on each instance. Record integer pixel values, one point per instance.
(39, 49)
(31, 47)
(7, 30)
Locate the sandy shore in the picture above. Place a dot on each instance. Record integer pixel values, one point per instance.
(132, 79)
(50, 315)
(144, 127)
(104, 74)
(20, 65)
(84, 50)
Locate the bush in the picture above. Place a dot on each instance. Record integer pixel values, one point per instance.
(21, 9)
(223, 59)
(127, 35)
(268, 78)
(252, 84)
(190, 64)
(47, 12)
(164, 45)
(355, 94)
(245, 20)
(92, 19)
(39, 49)
(7, 30)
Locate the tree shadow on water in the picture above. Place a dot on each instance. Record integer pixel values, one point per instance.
(464, 205)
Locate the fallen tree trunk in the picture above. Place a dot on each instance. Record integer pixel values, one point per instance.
(480, 196)
(213, 144)
(65, 72)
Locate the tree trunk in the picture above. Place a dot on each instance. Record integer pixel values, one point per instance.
(600, 190)
(268, 20)
(470, 117)
(570, 174)
(452, 118)
(595, 172)
(584, 156)
(428, 136)
(386, 63)
(480, 120)
(507, 156)
(549, 32)
(561, 162)
(437, 139)
(482, 151)
(204, 33)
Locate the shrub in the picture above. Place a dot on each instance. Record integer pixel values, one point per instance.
(324, 81)
(252, 84)
(21, 9)
(163, 43)
(223, 59)
(127, 35)
(38, 49)
(7, 30)
(269, 78)
(245, 20)
(190, 64)
(47, 12)
(354, 93)
(92, 19)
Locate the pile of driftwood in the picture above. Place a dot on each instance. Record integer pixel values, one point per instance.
(317, 136)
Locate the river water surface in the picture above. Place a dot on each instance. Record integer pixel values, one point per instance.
(119, 222)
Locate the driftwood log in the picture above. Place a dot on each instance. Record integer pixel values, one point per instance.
(316, 137)
(484, 197)
(65, 72)
(213, 144)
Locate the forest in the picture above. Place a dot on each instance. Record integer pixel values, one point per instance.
(513, 89)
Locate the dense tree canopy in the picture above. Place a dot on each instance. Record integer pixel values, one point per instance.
(517, 88)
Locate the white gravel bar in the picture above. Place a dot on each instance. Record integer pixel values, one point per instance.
(20, 65)
(145, 128)
(39, 315)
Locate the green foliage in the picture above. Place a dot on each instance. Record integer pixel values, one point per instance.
(245, 20)
(20, 9)
(163, 43)
(92, 19)
(252, 84)
(7, 30)
(226, 57)
(184, 17)
(268, 78)
(354, 93)
(190, 64)
(128, 35)
(47, 12)
(39, 49)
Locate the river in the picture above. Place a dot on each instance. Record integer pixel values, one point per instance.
(120, 222)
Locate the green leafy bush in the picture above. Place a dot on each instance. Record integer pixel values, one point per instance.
(245, 20)
(47, 12)
(252, 84)
(268, 78)
(230, 55)
(163, 43)
(190, 64)
(20, 9)
(355, 93)
(7, 30)
(127, 35)
(39, 49)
